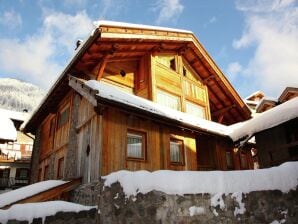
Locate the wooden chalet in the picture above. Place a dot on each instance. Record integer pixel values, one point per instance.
(131, 119)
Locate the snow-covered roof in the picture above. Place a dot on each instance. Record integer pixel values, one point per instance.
(7, 128)
(137, 26)
(14, 115)
(27, 191)
(29, 211)
(268, 119)
(113, 93)
(283, 178)
(254, 94)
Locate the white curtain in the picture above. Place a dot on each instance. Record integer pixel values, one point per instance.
(175, 148)
(134, 146)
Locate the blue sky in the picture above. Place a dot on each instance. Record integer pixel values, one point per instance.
(254, 42)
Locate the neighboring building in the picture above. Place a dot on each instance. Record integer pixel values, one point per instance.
(137, 97)
(253, 100)
(15, 153)
(276, 134)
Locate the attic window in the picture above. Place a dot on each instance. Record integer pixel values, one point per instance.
(168, 61)
(184, 71)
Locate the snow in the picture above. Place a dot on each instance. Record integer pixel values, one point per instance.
(29, 211)
(113, 93)
(268, 119)
(7, 128)
(194, 210)
(137, 26)
(241, 209)
(283, 178)
(217, 200)
(25, 192)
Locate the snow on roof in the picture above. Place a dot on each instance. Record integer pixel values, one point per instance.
(29, 211)
(283, 178)
(7, 128)
(268, 119)
(111, 92)
(14, 115)
(254, 94)
(25, 192)
(137, 26)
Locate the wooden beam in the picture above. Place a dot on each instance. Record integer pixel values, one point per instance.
(101, 68)
(223, 110)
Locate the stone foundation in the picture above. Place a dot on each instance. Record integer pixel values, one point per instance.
(89, 217)
(158, 207)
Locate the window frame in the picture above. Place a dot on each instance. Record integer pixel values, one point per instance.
(60, 173)
(182, 152)
(144, 145)
(59, 125)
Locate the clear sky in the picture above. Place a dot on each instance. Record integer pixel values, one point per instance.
(254, 42)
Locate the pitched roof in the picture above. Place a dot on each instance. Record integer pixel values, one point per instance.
(8, 131)
(111, 40)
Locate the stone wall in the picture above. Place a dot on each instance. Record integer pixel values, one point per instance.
(89, 217)
(158, 207)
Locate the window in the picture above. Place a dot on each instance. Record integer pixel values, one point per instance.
(136, 145)
(46, 173)
(168, 100)
(229, 160)
(195, 109)
(243, 160)
(176, 152)
(22, 173)
(60, 168)
(52, 127)
(63, 117)
(168, 61)
(39, 174)
(28, 148)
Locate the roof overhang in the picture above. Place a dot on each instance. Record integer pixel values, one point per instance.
(100, 101)
(118, 41)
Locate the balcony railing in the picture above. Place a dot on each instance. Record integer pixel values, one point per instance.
(13, 182)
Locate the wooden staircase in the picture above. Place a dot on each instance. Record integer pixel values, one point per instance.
(60, 192)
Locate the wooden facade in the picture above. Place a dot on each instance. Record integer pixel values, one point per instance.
(171, 69)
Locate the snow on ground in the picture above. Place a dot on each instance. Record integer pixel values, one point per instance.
(30, 211)
(7, 128)
(24, 192)
(111, 92)
(283, 178)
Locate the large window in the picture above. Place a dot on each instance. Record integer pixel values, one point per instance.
(176, 152)
(136, 145)
(195, 109)
(63, 117)
(168, 100)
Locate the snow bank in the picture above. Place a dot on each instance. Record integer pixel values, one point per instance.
(283, 178)
(30, 211)
(7, 128)
(111, 92)
(266, 120)
(24, 192)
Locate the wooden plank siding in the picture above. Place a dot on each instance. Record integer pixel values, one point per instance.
(54, 139)
(89, 142)
(115, 126)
